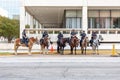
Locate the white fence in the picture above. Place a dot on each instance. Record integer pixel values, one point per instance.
(109, 35)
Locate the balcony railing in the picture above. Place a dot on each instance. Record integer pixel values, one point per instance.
(108, 34)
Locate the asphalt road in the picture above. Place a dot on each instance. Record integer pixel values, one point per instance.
(91, 69)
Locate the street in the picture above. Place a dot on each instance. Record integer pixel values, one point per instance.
(74, 68)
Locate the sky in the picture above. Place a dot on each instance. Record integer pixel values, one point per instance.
(12, 6)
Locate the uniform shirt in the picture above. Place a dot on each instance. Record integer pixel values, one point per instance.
(23, 34)
(45, 34)
(83, 35)
(73, 33)
(94, 34)
(60, 35)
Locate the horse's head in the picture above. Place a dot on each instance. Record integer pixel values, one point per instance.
(45, 41)
(75, 41)
(100, 37)
(33, 39)
(66, 40)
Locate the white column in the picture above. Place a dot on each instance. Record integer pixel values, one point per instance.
(31, 21)
(36, 27)
(22, 20)
(84, 16)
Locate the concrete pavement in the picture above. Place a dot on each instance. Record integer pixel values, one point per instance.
(58, 58)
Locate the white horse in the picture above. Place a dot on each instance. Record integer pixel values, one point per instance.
(96, 44)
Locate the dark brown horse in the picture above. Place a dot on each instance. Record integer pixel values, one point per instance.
(18, 43)
(44, 43)
(74, 42)
(61, 44)
(84, 44)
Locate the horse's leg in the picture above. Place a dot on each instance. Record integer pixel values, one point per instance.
(97, 51)
(15, 48)
(47, 50)
(94, 50)
(85, 50)
(81, 50)
(58, 49)
(75, 50)
(42, 49)
(63, 50)
(71, 50)
(29, 53)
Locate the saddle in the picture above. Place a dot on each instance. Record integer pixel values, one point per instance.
(24, 41)
(41, 41)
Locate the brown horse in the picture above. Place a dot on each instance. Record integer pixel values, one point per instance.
(84, 45)
(17, 43)
(74, 42)
(61, 44)
(44, 43)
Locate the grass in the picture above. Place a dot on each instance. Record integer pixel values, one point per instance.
(5, 53)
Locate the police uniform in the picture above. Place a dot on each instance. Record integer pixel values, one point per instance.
(94, 35)
(60, 36)
(24, 38)
(83, 35)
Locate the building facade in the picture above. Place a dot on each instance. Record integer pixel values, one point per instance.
(102, 16)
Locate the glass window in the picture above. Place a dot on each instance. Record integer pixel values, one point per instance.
(73, 22)
(104, 22)
(93, 22)
(115, 22)
(99, 19)
(73, 19)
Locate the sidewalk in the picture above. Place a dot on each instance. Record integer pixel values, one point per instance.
(58, 58)
(103, 48)
(10, 46)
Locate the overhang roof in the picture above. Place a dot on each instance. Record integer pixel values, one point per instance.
(49, 15)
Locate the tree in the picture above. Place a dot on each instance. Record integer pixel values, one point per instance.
(9, 28)
(27, 26)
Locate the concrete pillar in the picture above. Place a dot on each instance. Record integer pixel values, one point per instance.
(31, 22)
(22, 20)
(36, 27)
(84, 16)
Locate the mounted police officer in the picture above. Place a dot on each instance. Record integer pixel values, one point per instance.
(83, 35)
(24, 38)
(93, 36)
(45, 34)
(60, 36)
(73, 33)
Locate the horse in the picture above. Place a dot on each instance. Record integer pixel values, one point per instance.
(61, 44)
(96, 44)
(44, 43)
(84, 44)
(74, 42)
(18, 43)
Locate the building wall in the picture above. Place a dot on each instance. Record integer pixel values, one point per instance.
(53, 3)
(72, 2)
(103, 10)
